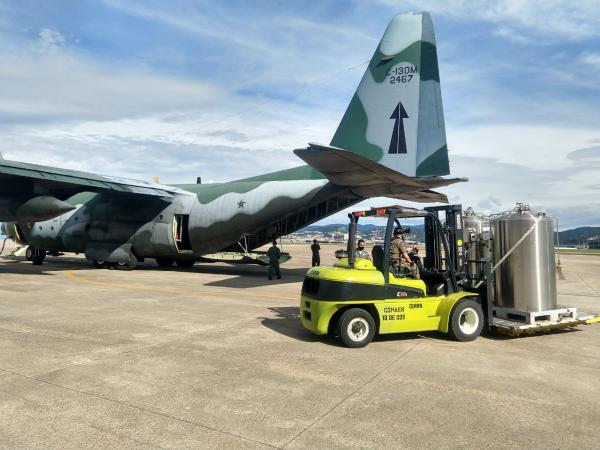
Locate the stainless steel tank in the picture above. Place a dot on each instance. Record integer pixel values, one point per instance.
(476, 242)
(526, 280)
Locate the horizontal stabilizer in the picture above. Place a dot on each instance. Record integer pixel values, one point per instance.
(367, 178)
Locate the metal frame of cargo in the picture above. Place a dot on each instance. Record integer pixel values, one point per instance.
(514, 322)
(503, 320)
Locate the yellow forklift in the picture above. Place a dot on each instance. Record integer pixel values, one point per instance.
(357, 298)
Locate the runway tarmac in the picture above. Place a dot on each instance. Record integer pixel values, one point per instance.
(215, 357)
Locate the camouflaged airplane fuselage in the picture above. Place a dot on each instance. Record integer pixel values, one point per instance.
(391, 142)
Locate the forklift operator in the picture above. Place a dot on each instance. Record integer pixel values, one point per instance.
(401, 264)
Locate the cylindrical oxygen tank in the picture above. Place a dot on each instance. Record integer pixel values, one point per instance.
(476, 242)
(526, 280)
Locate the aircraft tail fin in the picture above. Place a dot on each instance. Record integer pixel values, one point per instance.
(395, 117)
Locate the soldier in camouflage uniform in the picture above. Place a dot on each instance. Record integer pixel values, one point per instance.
(315, 248)
(274, 254)
(401, 264)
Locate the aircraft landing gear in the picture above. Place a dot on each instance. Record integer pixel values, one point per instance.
(101, 264)
(124, 265)
(38, 256)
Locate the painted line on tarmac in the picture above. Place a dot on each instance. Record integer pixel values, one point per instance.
(139, 287)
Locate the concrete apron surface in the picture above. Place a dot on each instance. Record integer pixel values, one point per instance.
(215, 357)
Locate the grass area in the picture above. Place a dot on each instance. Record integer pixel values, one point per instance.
(577, 251)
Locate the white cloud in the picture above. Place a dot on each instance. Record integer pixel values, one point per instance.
(287, 54)
(591, 58)
(511, 34)
(551, 168)
(554, 19)
(530, 145)
(60, 104)
(63, 86)
(228, 142)
(50, 40)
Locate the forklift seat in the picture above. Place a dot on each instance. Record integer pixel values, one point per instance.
(377, 253)
(436, 282)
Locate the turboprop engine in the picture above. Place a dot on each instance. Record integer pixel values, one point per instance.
(33, 209)
(12, 230)
(7, 229)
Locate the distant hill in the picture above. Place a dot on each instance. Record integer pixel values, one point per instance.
(567, 237)
(578, 235)
(363, 229)
(342, 228)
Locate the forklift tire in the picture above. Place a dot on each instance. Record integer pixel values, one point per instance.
(356, 327)
(466, 320)
(164, 262)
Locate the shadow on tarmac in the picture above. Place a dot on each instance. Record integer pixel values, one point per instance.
(495, 336)
(246, 276)
(254, 279)
(430, 335)
(50, 266)
(287, 322)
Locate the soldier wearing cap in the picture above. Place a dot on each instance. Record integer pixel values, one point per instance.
(401, 264)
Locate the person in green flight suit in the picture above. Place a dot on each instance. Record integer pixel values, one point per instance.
(274, 254)
(316, 256)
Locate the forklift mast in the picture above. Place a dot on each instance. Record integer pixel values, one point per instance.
(452, 229)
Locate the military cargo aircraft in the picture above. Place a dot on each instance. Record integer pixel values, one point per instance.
(390, 142)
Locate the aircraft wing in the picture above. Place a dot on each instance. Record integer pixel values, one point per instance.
(33, 193)
(19, 178)
(367, 178)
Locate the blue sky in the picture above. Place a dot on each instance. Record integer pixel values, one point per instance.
(225, 90)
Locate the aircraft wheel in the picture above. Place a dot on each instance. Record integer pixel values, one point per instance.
(356, 327)
(466, 320)
(100, 264)
(185, 262)
(165, 262)
(29, 253)
(125, 265)
(39, 255)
